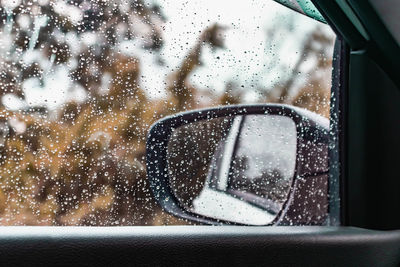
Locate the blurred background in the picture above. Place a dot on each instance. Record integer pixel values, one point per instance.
(82, 81)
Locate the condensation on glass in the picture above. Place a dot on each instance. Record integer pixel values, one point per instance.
(82, 81)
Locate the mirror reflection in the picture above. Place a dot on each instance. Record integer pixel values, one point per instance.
(236, 168)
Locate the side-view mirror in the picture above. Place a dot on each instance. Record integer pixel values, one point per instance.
(246, 164)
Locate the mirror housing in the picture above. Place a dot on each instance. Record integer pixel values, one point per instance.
(307, 202)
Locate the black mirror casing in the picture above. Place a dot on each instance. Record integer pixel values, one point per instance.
(307, 202)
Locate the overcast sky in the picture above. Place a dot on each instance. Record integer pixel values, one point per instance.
(243, 61)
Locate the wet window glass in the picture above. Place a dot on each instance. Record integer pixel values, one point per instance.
(264, 158)
(219, 166)
(82, 81)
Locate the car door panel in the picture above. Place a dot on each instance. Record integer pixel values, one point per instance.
(198, 246)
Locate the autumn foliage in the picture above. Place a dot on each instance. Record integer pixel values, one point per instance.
(83, 163)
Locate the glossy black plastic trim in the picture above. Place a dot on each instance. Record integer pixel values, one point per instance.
(337, 143)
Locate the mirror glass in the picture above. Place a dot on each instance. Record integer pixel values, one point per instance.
(236, 168)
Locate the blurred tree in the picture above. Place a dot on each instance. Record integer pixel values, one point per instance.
(84, 163)
(183, 93)
(314, 91)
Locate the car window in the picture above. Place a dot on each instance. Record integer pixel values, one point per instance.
(82, 81)
(264, 159)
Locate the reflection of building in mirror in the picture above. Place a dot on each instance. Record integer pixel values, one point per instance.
(265, 157)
